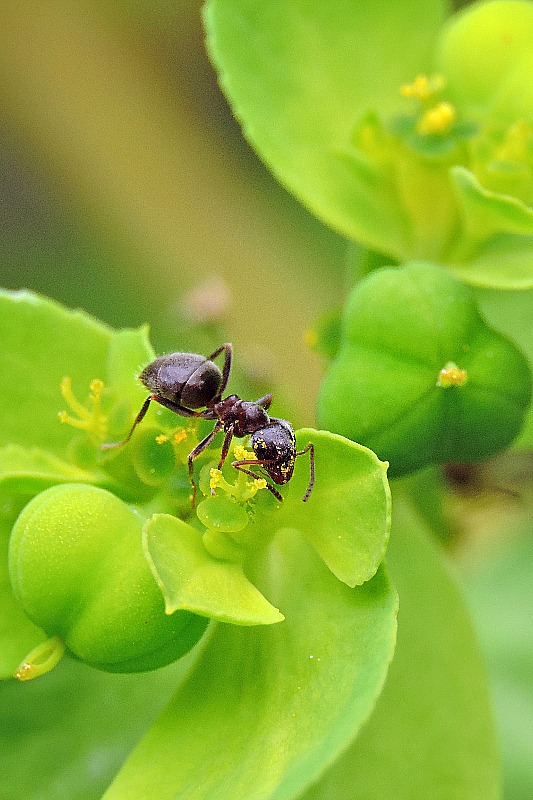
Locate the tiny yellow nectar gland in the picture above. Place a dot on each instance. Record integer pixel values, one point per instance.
(92, 419)
(438, 119)
(452, 375)
(161, 438)
(40, 660)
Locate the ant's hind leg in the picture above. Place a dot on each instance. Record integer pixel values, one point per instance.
(226, 369)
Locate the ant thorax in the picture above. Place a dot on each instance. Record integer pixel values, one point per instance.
(243, 416)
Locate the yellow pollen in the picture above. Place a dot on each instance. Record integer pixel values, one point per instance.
(452, 375)
(242, 454)
(161, 439)
(438, 119)
(216, 478)
(180, 436)
(423, 88)
(255, 485)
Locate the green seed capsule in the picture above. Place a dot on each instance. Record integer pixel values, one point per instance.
(77, 567)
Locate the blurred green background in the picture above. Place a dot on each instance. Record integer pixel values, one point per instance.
(127, 189)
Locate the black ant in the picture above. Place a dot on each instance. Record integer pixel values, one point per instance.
(185, 382)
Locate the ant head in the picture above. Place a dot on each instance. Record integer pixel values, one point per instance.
(275, 446)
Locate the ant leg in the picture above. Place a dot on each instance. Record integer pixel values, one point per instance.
(203, 445)
(225, 447)
(181, 410)
(139, 418)
(310, 448)
(264, 401)
(240, 466)
(226, 369)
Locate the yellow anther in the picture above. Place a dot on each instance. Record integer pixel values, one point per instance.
(452, 375)
(180, 436)
(438, 119)
(242, 454)
(161, 438)
(517, 143)
(89, 419)
(423, 88)
(96, 386)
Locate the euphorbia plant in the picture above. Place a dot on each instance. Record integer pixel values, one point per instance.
(379, 118)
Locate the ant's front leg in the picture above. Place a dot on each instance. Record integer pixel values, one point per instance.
(203, 445)
(139, 418)
(240, 465)
(311, 450)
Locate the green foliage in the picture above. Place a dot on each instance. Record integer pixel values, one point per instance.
(406, 134)
(275, 619)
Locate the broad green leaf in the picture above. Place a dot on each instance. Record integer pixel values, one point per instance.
(431, 734)
(301, 75)
(42, 342)
(192, 580)
(347, 516)
(267, 708)
(129, 352)
(30, 470)
(501, 601)
(66, 734)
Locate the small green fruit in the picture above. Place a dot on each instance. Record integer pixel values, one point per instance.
(420, 378)
(77, 567)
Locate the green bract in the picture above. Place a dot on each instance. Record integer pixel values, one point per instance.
(408, 134)
(420, 377)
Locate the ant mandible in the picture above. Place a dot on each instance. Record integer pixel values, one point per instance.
(186, 382)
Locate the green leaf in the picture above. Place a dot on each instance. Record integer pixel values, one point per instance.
(403, 330)
(41, 343)
(268, 707)
(501, 601)
(30, 470)
(347, 516)
(486, 213)
(300, 76)
(66, 734)
(431, 734)
(485, 52)
(192, 580)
